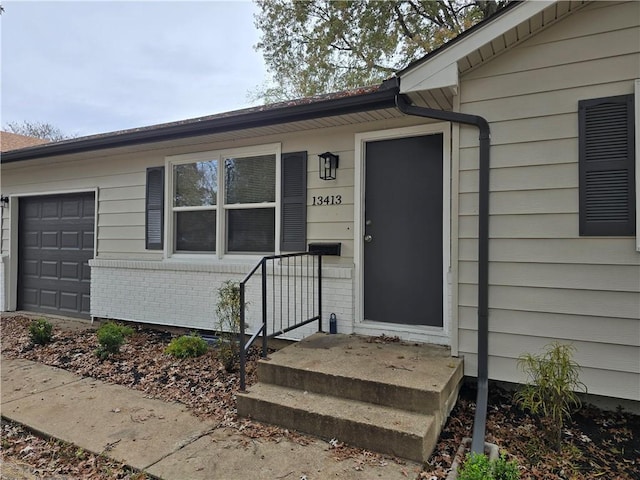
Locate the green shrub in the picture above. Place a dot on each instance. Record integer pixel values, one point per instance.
(505, 470)
(41, 331)
(187, 346)
(475, 467)
(553, 379)
(228, 311)
(111, 336)
(478, 467)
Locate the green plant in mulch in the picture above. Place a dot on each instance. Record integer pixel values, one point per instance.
(228, 312)
(550, 391)
(111, 337)
(478, 467)
(41, 331)
(187, 346)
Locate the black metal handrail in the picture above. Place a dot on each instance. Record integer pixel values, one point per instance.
(296, 299)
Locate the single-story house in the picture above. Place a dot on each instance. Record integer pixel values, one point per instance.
(145, 224)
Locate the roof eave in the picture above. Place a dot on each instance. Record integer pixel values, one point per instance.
(459, 38)
(383, 98)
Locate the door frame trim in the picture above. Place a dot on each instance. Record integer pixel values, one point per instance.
(427, 334)
(11, 290)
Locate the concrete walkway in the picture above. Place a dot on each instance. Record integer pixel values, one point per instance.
(161, 438)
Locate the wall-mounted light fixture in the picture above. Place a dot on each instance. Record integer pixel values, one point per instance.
(328, 164)
(4, 201)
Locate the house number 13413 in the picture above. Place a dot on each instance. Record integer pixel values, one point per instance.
(327, 200)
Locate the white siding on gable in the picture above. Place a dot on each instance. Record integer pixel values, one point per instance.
(549, 152)
(622, 278)
(523, 202)
(534, 177)
(589, 250)
(546, 282)
(552, 78)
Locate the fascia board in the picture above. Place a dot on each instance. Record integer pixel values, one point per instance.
(384, 98)
(410, 79)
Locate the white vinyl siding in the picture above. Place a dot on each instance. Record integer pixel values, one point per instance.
(120, 177)
(547, 282)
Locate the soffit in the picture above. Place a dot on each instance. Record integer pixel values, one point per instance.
(316, 124)
(434, 82)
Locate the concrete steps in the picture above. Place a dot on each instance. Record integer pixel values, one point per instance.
(374, 427)
(387, 397)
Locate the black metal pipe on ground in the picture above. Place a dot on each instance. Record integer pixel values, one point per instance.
(404, 105)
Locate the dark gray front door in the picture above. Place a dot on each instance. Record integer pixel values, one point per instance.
(55, 244)
(403, 231)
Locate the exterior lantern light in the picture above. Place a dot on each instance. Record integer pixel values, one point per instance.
(328, 165)
(4, 201)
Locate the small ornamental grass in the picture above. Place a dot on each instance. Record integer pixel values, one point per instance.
(187, 346)
(228, 312)
(41, 331)
(550, 391)
(478, 467)
(111, 337)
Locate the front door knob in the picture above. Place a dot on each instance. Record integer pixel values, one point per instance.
(368, 238)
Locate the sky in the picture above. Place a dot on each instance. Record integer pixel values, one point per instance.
(99, 66)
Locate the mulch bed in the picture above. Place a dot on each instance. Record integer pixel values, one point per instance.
(32, 456)
(597, 444)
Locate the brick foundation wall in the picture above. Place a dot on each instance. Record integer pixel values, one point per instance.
(185, 294)
(3, 283)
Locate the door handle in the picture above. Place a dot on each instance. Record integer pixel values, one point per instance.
(368, 238)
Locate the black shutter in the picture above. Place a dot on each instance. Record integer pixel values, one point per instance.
(607, 166)
(293, 235)
(154, 211)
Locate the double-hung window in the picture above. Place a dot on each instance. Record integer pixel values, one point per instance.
(241, 201)
(224, 202)
(250, 203)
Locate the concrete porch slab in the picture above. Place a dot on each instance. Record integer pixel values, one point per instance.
(380, 394)
(415, 377)
(402, 364)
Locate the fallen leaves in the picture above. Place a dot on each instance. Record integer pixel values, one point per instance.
(383, 339)
(598, 444)
(201, 383)
(48, 458)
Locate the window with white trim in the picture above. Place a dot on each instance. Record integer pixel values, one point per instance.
(224, 202)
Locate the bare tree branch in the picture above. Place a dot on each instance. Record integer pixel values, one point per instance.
(403, 24)
(42, 130)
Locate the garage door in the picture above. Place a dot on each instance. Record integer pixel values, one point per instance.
(55, 244)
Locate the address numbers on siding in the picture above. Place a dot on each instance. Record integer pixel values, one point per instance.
(326, 200)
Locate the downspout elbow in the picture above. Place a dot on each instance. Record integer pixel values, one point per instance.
(483, 126)
(405, 106)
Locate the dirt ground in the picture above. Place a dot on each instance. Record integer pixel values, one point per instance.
(596, 443)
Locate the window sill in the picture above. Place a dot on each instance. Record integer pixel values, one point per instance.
(214, 259)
